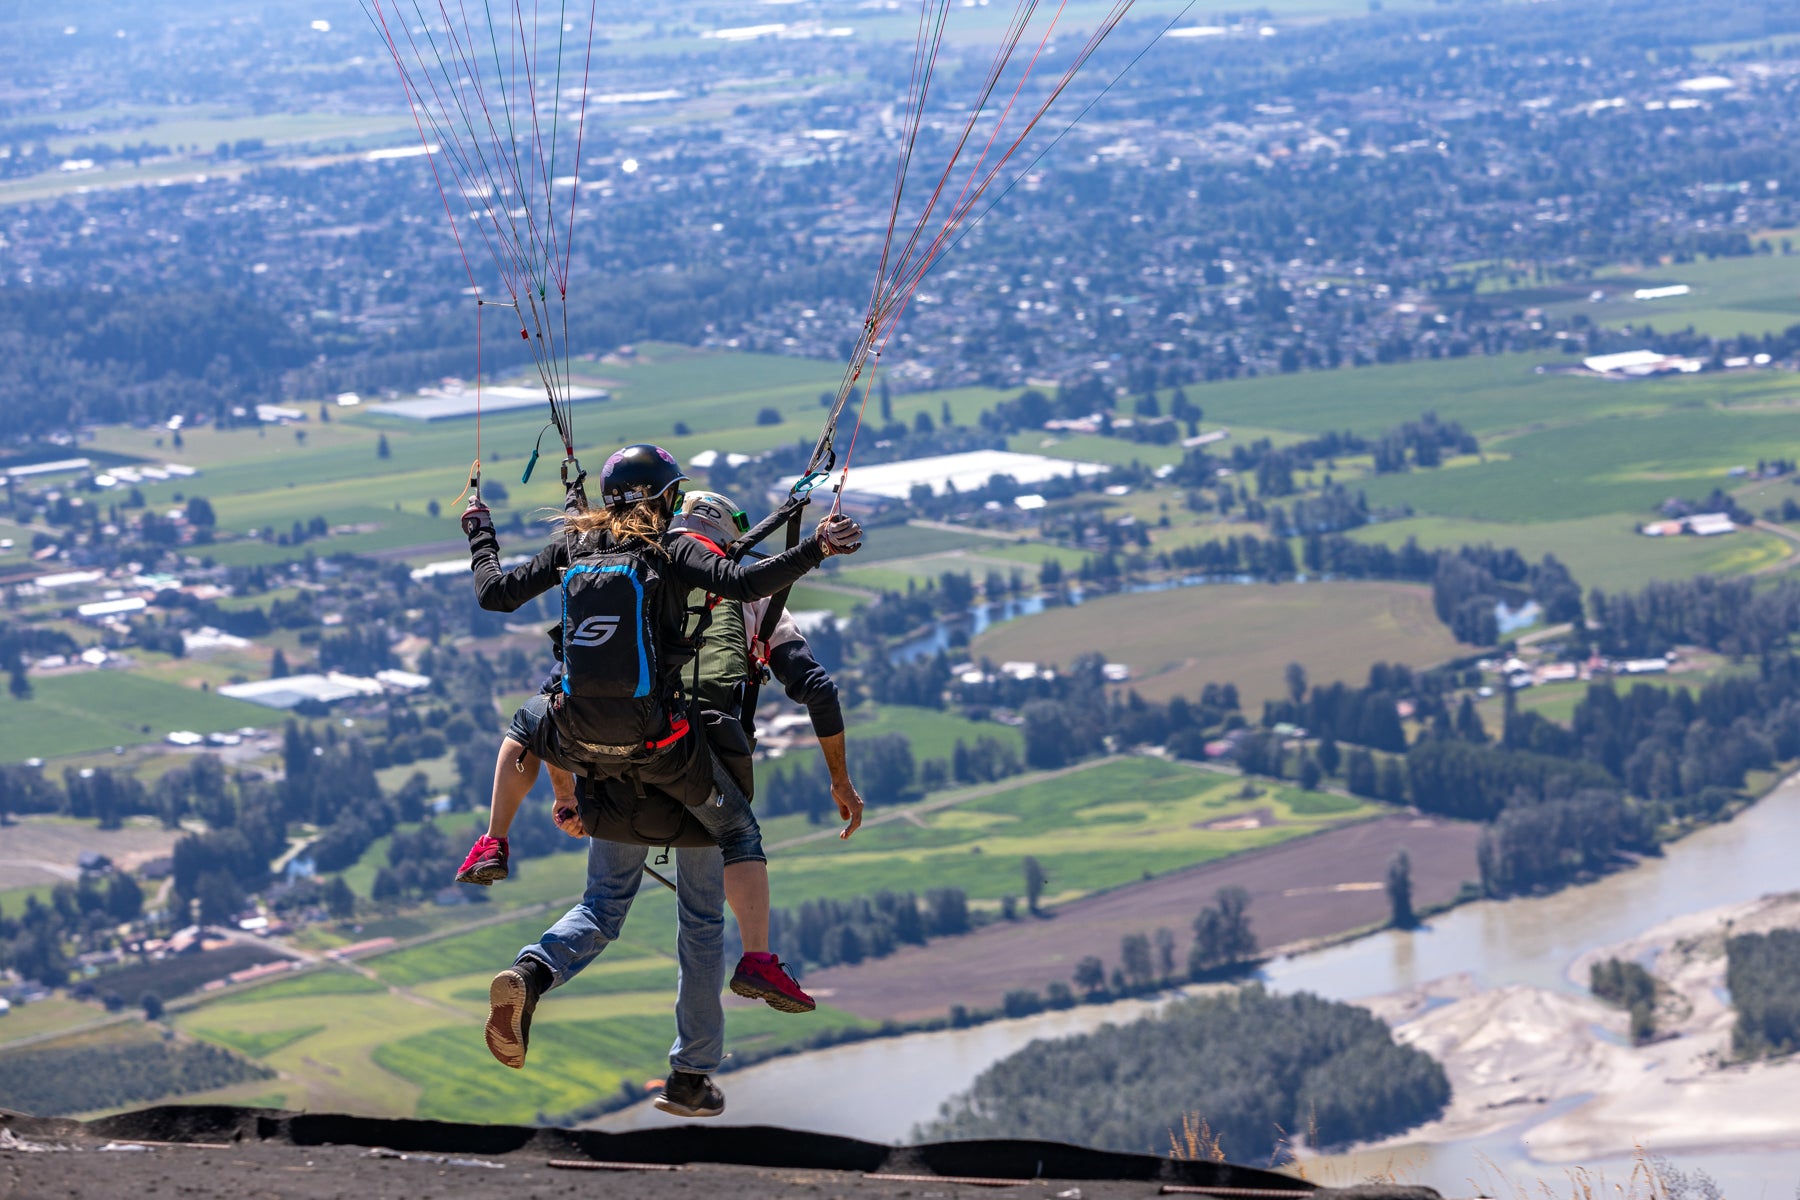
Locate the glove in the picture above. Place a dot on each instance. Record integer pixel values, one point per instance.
(838, 535)
(575, 495)
(476, 518)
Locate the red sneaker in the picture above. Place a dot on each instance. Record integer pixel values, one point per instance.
(486, 863)
(764, 977)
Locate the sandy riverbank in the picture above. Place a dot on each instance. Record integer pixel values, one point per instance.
(1558, 1070)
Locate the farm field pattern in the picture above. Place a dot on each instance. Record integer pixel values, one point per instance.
(1572, 465)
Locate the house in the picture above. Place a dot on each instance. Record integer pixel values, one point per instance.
(1710, 524)
(92, 862)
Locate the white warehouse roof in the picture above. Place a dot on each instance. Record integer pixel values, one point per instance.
(965, 472)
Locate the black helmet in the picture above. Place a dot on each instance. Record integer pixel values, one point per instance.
(640, 472)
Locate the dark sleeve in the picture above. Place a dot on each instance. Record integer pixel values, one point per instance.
(697, 567)
(807, 683)
(505, 591)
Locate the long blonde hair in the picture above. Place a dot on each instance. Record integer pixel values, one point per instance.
(645, 521)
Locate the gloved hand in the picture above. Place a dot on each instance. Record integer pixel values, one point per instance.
(838, 534)
(575, 494)
(476, 518)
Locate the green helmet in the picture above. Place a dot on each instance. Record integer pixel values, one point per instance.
(711, 516)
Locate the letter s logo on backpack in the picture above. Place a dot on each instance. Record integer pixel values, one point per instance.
(595, 631)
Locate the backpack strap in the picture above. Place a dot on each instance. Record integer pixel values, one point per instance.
(712, 602)
(759, 642)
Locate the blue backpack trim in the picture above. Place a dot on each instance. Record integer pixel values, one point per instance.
(637, 586)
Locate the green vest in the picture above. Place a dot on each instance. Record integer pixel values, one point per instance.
(724, 658)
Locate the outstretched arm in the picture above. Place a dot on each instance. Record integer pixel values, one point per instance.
(499, 590)
(698, 567)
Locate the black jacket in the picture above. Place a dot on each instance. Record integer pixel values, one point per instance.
(688, 565)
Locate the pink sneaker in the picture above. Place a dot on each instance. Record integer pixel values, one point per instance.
(486, 863)
(764, 977)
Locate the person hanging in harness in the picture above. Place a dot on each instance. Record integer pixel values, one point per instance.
(755, 642)
(615, 869)
(623, 717)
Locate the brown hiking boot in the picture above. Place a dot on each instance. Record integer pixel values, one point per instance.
(512, 998)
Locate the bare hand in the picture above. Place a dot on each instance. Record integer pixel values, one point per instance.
(568, 819)
(849, 805)
(839, 534)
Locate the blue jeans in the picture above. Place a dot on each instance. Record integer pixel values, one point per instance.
(728, 818)
(615, 872)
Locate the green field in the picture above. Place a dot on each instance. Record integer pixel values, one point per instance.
(1606, 552)
(1176, 641)
(21, 543)
(91, 710)
(54, 1015)
(480, 950)
(1756, 294)
(205, 126)
(1552, 701)
(13, 900)
(408, 1041)
(912, 541)
(329, 981)
(1487, 395)
(933, 733)
(271, 476)
(1614, 465)
(1097, 827)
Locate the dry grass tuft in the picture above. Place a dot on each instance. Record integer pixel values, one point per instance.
(1196, 1141)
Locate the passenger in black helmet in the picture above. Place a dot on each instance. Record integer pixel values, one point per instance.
(621, 715)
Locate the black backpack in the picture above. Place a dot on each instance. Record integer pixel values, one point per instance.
(612, 680)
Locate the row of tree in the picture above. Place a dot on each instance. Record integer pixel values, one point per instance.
(1223, 941)
(827, 932)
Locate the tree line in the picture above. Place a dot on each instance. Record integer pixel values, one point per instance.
(827, 932)
(1261, 1069)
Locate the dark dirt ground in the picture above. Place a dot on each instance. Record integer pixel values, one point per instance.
(1314, 887)
(260, 1170)
(262, 1155)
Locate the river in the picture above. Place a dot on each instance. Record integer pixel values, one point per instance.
(880, 1090)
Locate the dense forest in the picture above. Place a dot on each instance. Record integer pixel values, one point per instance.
(1261, 1070)
(1763, 973)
